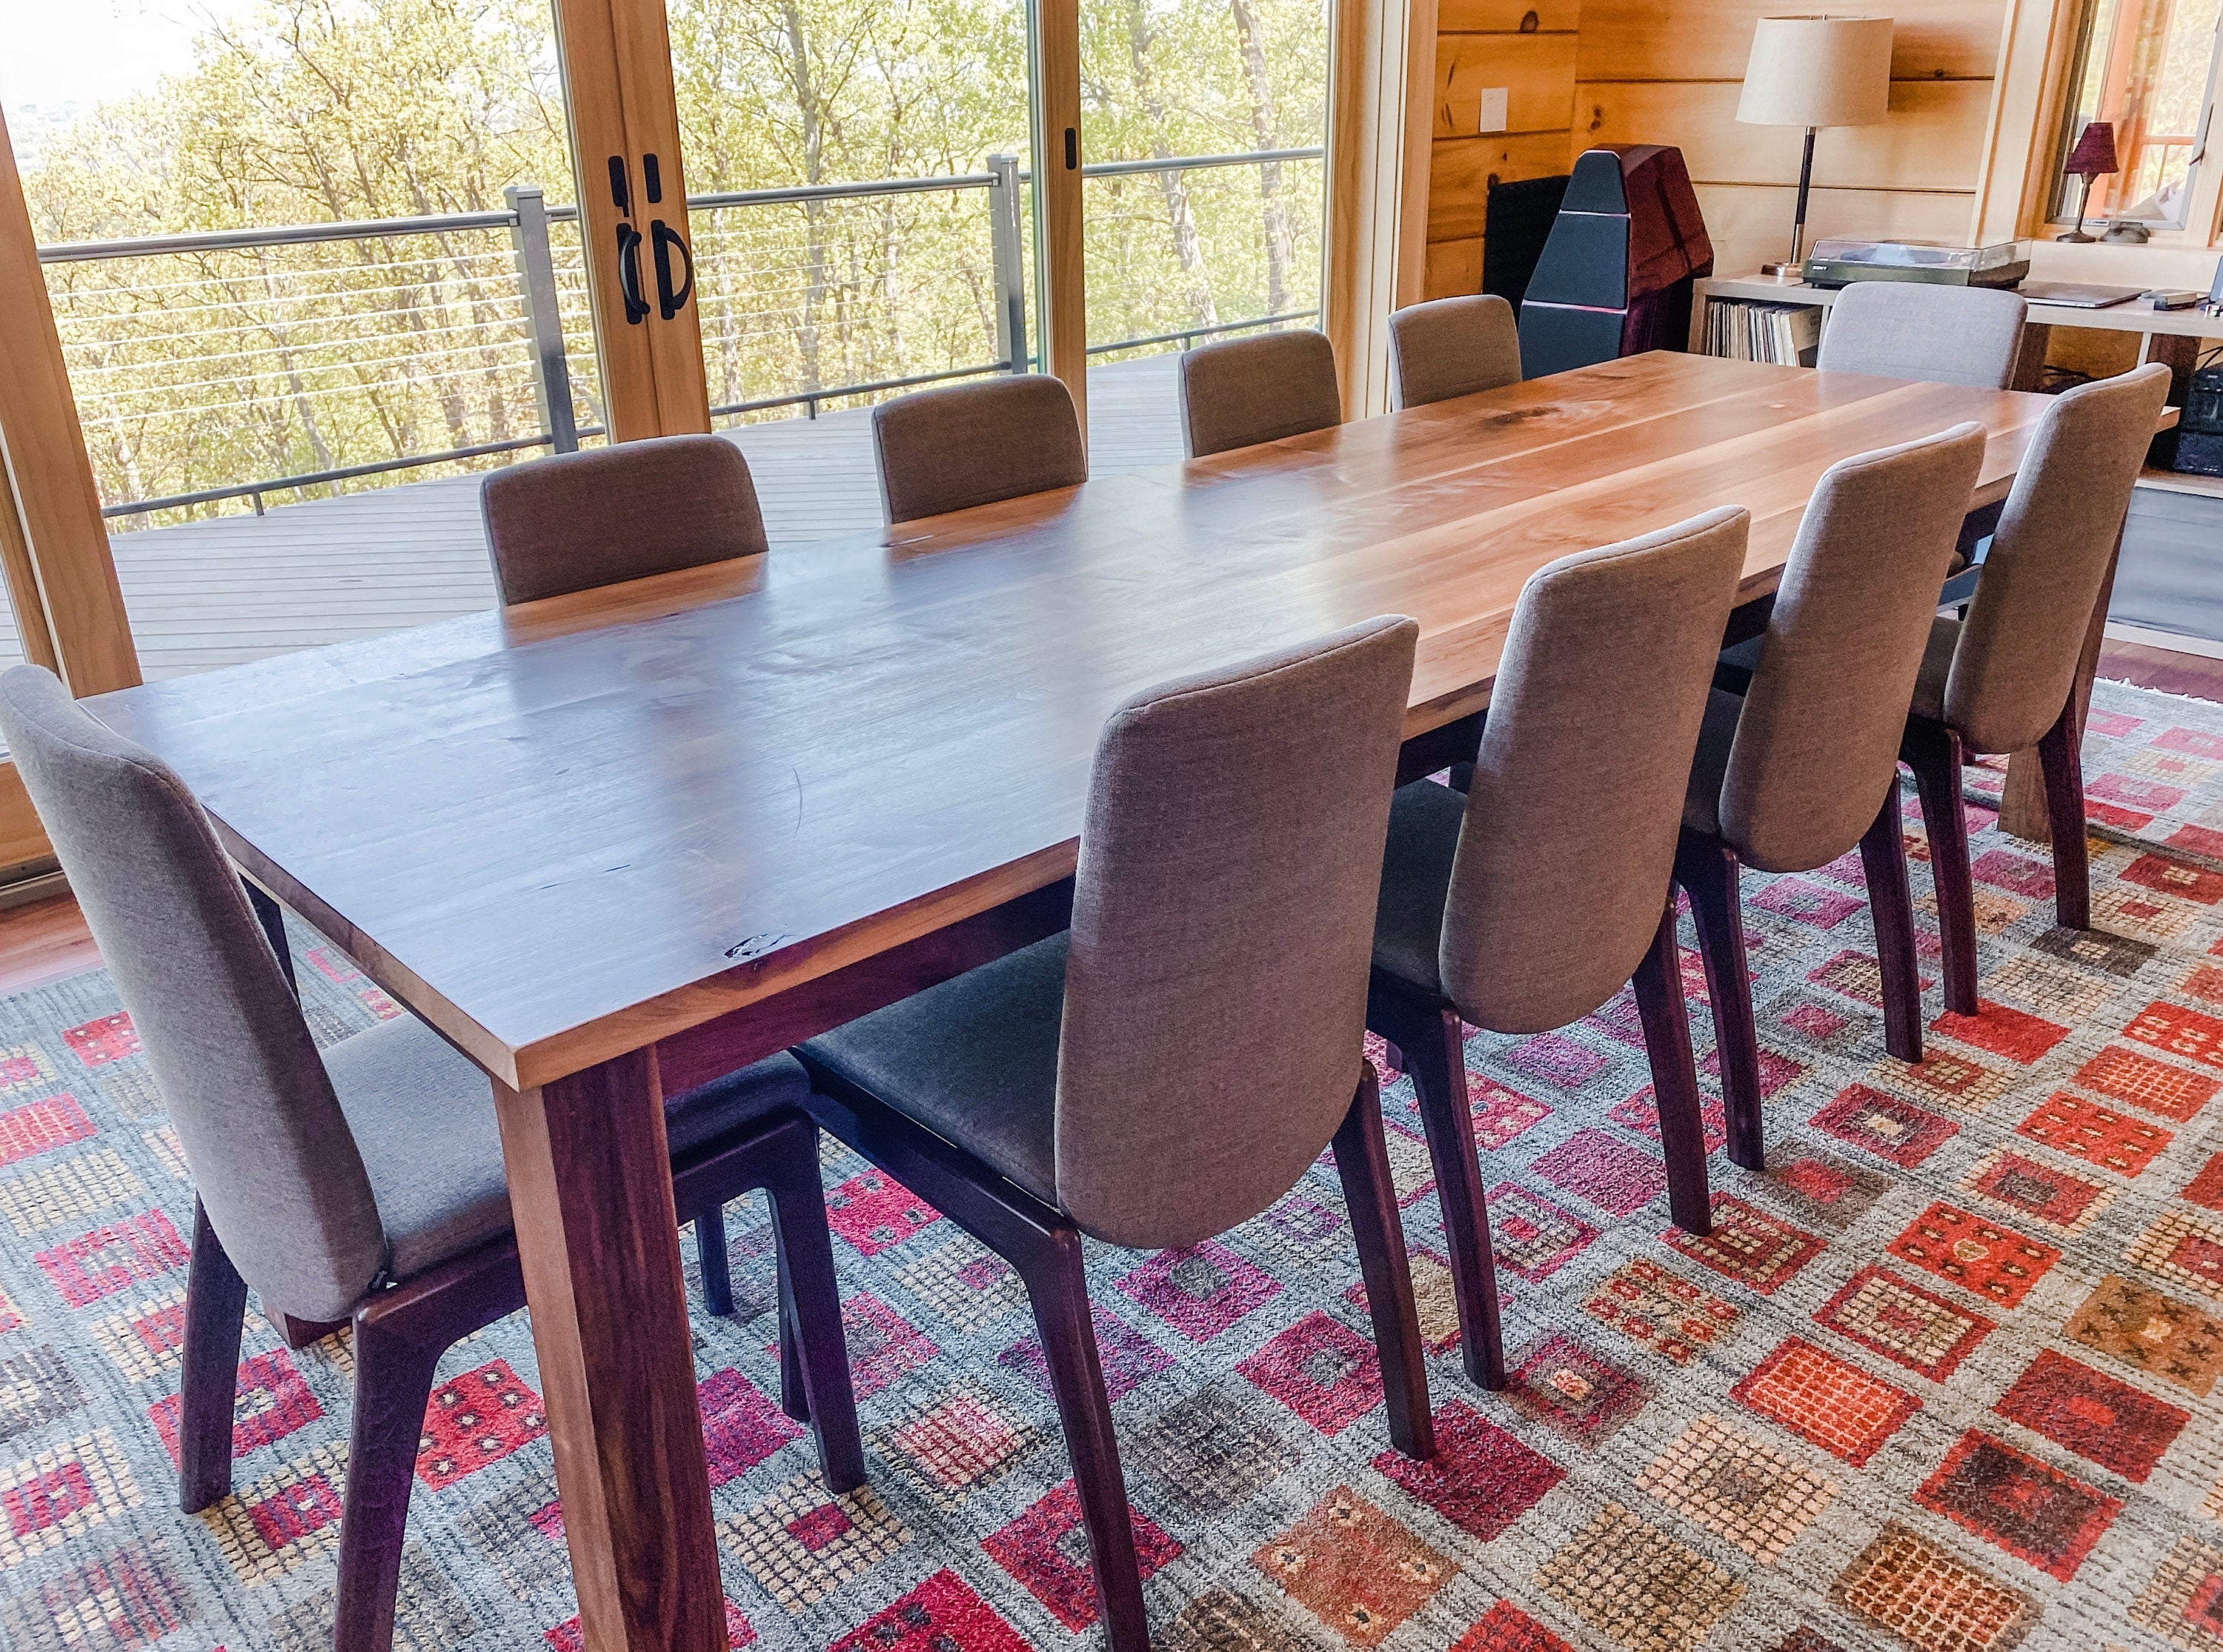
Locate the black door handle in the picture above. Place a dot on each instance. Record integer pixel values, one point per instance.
(636, 307)
(665, 238)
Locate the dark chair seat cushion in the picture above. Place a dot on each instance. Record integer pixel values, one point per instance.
(974, 1059)
(1702, 805)
(423, 1118)
(1416, 876)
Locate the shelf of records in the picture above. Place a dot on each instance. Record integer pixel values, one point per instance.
(1787, 335)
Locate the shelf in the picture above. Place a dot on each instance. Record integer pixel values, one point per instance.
(2174, 481)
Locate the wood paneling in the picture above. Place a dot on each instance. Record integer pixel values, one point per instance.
(1751, 222)
(1537, 70)
(1711, 39)
(1507, 16)
(1461, 168)
(1454, 268)
(1933, 139)
(1062, 275)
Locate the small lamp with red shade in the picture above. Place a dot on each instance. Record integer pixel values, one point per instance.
(2092, 157)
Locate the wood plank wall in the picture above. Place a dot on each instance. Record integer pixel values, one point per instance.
(1668, 72)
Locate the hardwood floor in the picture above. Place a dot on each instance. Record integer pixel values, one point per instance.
(47, 940)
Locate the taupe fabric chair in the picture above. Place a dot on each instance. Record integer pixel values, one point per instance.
(1805, 764)
(1241, 392)
(2003, 679)
(1534, 898)
(1947, 335)
(1174, 1063)
(961, 445)
(578, 520)
(365, 1182)
(1453, 347)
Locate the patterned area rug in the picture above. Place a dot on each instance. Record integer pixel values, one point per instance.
(1945, 1377)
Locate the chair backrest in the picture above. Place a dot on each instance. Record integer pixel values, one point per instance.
(961, 445)
(1572, 817)
(2018, 646)
(579, 520)
(1222, 925)
(1453, 347)
(1948, 335)
(1816, 745)
(1241, 392)
(271, 1153)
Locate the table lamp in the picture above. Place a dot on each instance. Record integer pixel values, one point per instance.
(2092, 157)
(1815, 72)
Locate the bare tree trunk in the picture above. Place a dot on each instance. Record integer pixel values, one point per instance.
(1281, 245)
(813, 212)
(1187, 247)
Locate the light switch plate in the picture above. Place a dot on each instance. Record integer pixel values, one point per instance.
(1493, 109)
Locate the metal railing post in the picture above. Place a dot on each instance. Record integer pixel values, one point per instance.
(536, 270)
(1009, 263)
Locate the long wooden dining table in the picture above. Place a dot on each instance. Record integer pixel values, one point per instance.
(616, 844)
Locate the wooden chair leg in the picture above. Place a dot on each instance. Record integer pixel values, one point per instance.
(1666, 1022)
(1435, 1056)
(1059, 1292)
(717, 1272)
(215, 1309)
(1708, 872)
(810, 1309)
(1933, 751)
(1362, 1160)
(1891, 906)
(393, 1386)
(2060, 756)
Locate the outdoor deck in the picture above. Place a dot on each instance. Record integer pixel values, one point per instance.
(239, 587)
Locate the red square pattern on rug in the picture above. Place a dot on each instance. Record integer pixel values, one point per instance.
(1322, 1370)
(1506, 1627)
(1830, 1401)
(1977, 1255)
(1748, 1245)
(1617, 1178)
(36, 1127)
(2138, 794)
(1530, 1236)
(873, 1211)
(2099, 1135)
(2115, 814)
(1045, 1551)
(2126, 1076)
(271, 1401)
(1579, 1394)
(478, 1419)
(1777, 1072)
(941, 1615)
(1202, 1290)
(2193, 884)
(2040, 1190)
(568, 1637)
(114, 1257)
(296, 1510)
(2016, 874)
(2094, 1415)
(2206, 981)
(2009, 1498)
(2206, 1190)
(741, 1426)
(1925, 1333)
(2014, 1033)
(1641, 1113)
(1500, 1112)
(1482, 1478)
(1885, 1125)
(98, 1043)
(2180, 1032)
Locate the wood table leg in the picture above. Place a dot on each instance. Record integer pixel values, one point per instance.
(590, 1187)
(2022, 802)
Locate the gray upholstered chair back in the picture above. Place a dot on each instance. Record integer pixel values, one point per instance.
(1241, 392)
(1569, 839)
(1453, 347)
(1816, 745)
(962, 445)
(271, 1155)
(1948, 335)
(2018, 646)
(579, 520)
(1223, 925)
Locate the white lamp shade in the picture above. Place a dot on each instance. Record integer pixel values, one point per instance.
(1817, 72)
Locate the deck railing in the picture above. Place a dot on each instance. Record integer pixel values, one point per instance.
(437, 312)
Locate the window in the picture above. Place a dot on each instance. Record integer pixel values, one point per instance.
(2147, 66)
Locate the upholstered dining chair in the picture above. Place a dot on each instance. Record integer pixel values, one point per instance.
(577, 520)
(2003, 679)
(1241, 392)
(1453, 347)
(1172, 1064)
(1535, 897)
(961, 445)
(1946, 335)
(1804, 764)
(364, 1182)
